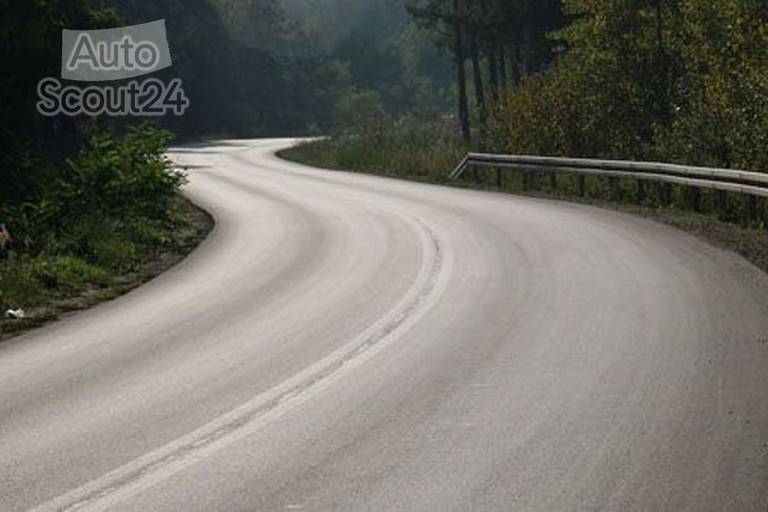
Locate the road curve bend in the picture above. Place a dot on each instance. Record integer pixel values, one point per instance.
(349, 342)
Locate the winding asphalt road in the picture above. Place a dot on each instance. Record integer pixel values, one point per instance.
(347, 342)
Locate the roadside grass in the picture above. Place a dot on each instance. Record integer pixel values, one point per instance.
(428, 153)
(109, 218)
(47, 286)
(406, 149)
(29, 282)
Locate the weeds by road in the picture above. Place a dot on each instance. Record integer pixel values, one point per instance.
(48, 287)
(107, 221)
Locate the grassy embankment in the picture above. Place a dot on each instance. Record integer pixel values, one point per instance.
(111, 220)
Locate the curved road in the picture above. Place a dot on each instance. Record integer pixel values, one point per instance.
(348, 342)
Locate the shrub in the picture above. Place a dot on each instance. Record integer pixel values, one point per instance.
(109, 208)
(113, 189)
(404, 147)
(698, 94)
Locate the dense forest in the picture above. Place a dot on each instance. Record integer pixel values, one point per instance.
(679, 80)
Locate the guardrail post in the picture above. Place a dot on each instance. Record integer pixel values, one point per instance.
(641, 193)
(499, 179)
(666, 194)
(751, 208)
(615, 193)
(695, 195)
(553, 182)
(582, 181)
(722, 204)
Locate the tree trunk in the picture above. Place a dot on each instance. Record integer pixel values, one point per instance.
(493, 73)
(659, 28)
(662, 80)
(461, 74)
(503, 76)
(525, 54)
(518, 61)
(478, 76)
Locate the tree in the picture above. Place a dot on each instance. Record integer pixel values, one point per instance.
(449, 20)
(487, 32)
(30, 47)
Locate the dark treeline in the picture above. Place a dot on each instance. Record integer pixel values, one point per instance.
(254, 67)
(504, 42)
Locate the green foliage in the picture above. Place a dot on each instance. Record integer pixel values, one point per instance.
(407, 147)
(26, 282)
(107, 210)
(719, 88)
(30, 46)
(359, 112)
(112, 186)
(686, 83)
(670, 80)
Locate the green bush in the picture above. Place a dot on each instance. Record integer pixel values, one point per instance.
(359, 112)
(106, 211)
(114, 189)
(404, 147)
(695, 93)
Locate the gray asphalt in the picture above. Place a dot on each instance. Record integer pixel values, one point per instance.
(348, 342)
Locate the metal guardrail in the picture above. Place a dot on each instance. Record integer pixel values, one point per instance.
(725, 180)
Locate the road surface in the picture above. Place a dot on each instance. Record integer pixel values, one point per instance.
(348, 342)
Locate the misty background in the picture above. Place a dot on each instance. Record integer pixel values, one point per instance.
(271, 67)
